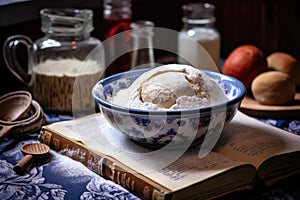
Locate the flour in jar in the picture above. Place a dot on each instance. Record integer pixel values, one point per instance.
(54, 84)
(66, 67)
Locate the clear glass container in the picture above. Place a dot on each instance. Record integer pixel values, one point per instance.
(66, 52)
(116, 19)
(142, 34)
(198, 24)
(117, 16)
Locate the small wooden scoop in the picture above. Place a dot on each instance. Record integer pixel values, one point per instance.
(30, 150)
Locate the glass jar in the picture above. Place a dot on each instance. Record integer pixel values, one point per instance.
(116, 19)
(117, 16)
(66, 52)
(142, 34)
(198, 27)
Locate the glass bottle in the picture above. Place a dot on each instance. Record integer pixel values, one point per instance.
(117, 18)
(198, 26)
(142, 34)
(65, 53)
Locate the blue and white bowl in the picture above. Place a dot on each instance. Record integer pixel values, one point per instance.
(157, 129)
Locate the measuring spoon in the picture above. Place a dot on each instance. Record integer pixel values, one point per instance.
(30, 150)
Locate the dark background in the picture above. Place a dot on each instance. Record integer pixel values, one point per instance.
(272, 25)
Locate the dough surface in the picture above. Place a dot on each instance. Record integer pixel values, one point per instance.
(283, 62)
(273, 88)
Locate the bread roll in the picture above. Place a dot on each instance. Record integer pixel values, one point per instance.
(285, 63)
(273, 88)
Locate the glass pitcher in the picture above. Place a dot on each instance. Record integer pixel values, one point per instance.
(65, 53)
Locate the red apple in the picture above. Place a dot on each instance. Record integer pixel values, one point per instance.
(245, 63)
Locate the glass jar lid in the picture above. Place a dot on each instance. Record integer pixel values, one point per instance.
(67, 21)
(198, 13)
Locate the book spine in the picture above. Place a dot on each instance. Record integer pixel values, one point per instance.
(101, 165)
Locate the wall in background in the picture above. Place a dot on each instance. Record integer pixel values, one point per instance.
(272, 25)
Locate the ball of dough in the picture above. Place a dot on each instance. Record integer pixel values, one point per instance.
(273, 88)
(283, 62)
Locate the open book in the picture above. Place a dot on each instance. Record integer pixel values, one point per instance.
(247, 152)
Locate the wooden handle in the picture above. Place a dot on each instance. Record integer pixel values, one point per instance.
(21, 166)
(4, 130)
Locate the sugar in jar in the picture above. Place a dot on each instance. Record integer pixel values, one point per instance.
(198, 28)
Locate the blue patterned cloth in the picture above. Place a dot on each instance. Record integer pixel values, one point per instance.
(60, 177)
(288, 125)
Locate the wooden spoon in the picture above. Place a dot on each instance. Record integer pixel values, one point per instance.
(32, 122)
(14, 105)
(30, 150)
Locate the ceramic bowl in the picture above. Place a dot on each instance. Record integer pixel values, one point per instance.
(157, 129)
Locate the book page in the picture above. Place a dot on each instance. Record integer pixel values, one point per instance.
(252, 141)
(168, 168)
